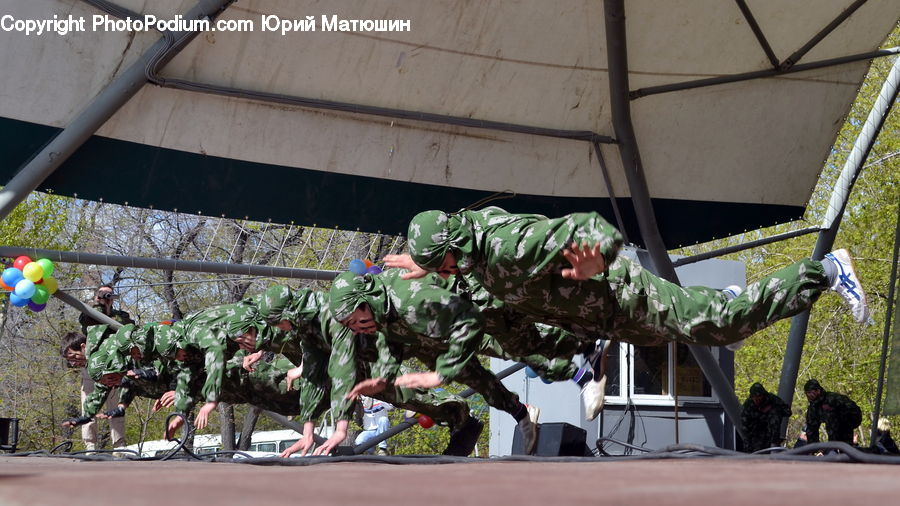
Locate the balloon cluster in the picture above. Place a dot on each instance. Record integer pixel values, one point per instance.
(29, 283)
(360, 267)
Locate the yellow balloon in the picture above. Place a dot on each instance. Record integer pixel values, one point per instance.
(33, 272)
(51, 284)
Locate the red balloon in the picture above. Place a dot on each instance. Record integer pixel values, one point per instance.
(21, 262)
(426, 422)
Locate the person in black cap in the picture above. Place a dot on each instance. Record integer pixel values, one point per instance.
(837, 411)
(761, 418)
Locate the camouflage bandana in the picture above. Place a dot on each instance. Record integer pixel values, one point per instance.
(757, 389)
(275, 304)
(249, 319)
(349, 291)
(812, 385)
(166, 338)
(432, 234)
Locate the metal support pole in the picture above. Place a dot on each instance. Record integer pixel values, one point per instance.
(617, 57)
(88, 310)
(104, 105)
(852, 167)
(402, 426)
(166, 264)
(885, 340)
(290, 424)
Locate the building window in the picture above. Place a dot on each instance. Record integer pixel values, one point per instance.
(650, 372)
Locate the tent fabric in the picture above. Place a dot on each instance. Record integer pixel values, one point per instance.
(718, 160)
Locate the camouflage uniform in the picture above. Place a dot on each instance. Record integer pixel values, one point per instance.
(518, 258)
(209, 333)
(762, 421)
(512, 335)
(424, 320)
(837, 411)
(328, 351)
(113, 357)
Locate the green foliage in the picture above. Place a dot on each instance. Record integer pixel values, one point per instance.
(841, 354)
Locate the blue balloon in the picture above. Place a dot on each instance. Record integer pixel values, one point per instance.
(17, 301)
(546, 381)
(530, 372)
(24, 289)
(11, 276)
(357, 267)
(374, 270)
(37, 308)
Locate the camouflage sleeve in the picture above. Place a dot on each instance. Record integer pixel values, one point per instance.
(184, 397)
(215, 371)
(782, 408)
(341, 368)
(390, 355)
(441, 314)
(311, 400)
(746, 418)
(813, 422)
(126, 395)
(94, 400)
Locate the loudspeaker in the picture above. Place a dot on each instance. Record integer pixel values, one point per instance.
(556, 439)
(9, 434)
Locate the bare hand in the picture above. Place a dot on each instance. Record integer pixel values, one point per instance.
(202, 419)
(302, 445)
(101, 416)
(419, 380)
(367, 387)
(586, 261)
(405, 262)
(167, 400)
(174, 425)
(326, 447)
(292, 375)
(251, 359)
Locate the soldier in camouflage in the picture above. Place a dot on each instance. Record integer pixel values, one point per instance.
(305, 329)
(761, 418)
(440, 328)
(216, 334)
(567, 272)
(837, 411)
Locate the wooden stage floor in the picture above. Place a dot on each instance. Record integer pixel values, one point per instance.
(710, 481)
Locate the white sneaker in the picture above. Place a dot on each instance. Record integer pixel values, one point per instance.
(593, 396)
(732, 292)
(848, 286)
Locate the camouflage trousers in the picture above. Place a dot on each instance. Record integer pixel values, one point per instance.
(763, 432)
(649, 310)
(479, 379)
(547, 350)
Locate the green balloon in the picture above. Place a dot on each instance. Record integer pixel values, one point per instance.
(47, 265)
(41, 295)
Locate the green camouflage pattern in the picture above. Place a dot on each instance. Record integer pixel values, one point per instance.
(839, 414)
(762, 422)
(518, 258)
(426, 321)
